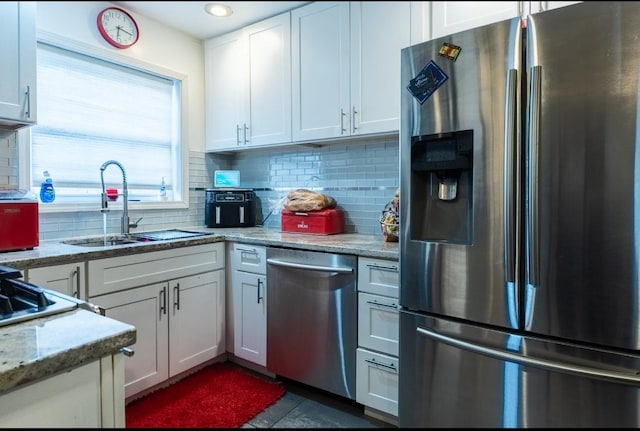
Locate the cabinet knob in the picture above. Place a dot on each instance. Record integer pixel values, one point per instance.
(127, 351)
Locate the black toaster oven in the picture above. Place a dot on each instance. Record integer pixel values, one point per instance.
(230, 207)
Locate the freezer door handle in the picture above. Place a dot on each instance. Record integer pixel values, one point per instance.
(631, 377)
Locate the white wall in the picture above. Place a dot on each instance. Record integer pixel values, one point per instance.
(158, 45)
(164, 50)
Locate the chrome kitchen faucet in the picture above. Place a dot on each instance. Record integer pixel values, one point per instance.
(125, 225)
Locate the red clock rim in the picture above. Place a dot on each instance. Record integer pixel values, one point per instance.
(106, 36)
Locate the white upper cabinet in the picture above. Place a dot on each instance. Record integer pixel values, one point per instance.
(541, 6)
(320, 58)
(379, 31)
(225, 78)
(248, 86)
(346, 67)
(268, 105)
(18, 65)
(448, 17)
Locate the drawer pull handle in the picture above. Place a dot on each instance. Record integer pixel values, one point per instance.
(163, 301)
(259, 284)
(176, 296)
(247, 250)
(383, 267)
(127, 351)
(74, 281)
(394, 306)
(391, 366)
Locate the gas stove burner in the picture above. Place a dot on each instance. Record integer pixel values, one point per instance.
(16, 295)
(20, 301)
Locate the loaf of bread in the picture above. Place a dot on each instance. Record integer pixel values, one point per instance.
(307, 200)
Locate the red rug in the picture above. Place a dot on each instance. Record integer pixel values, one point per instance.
(221, 395)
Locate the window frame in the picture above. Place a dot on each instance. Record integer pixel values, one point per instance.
(24, 135)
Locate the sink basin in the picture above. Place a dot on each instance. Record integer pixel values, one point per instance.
(103, 241)
(133, 238)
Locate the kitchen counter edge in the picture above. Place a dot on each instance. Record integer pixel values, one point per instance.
(55, 252)
(43, 347)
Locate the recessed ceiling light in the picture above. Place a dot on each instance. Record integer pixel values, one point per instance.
(218, 9)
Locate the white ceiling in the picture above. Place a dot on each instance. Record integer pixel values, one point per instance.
(190, 17)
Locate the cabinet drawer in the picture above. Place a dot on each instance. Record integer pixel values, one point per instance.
(379, 276)
(377, 381)
(378, 323)
(248, 258)
(124, 272)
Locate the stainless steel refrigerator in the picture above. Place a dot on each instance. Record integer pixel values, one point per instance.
(520, 223)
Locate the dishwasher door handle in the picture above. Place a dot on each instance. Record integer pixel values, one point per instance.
(340, 269)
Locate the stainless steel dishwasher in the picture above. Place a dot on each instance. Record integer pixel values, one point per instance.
(312, 320)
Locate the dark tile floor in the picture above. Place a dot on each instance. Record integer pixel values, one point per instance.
(306, 407)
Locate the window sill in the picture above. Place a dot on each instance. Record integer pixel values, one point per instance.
(113, 206)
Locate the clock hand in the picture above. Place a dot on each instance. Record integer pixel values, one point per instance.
(125, 31)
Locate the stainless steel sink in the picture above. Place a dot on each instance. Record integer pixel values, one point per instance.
(103, 241)
(133, 238)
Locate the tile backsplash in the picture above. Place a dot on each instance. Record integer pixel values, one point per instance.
(8, 161)
(361, 175)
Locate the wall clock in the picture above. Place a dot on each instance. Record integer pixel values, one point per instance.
(118, 27)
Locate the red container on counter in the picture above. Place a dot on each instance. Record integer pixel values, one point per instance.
(321, 222)
(19, 224)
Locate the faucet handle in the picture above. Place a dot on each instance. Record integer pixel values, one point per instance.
(135, 223)
(105, 203)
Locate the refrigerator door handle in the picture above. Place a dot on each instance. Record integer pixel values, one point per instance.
(511, 184)
(532, 272)
(603, 374)
(533, 252)
(510, 176)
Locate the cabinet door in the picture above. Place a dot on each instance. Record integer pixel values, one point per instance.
(448, 17)
(379, 276)
(250, 316)
(226, 76)
(248, 258)
(378, 323)
(69, 400)
(146, 308)
(196, 315)
(377, 381)
(541, 6)
(268, 102)
(379, 30)
(67, 279)
(18, 65)
(320, 77)
(420, 22)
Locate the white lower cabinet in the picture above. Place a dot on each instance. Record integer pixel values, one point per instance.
(180, 321)
(248, 275)
(89, 396)
(67, 278)
(378, 335)
(377, 381)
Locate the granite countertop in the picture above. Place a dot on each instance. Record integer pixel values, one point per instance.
(56, 253)
(43, 347)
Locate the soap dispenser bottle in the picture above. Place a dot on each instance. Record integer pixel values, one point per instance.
(163, 191)
(47, 192)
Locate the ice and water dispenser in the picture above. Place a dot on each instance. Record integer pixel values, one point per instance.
(442, 187)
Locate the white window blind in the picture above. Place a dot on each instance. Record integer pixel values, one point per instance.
(91, 111)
